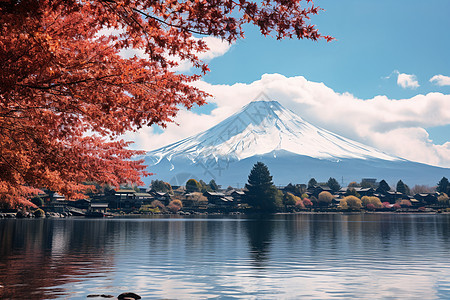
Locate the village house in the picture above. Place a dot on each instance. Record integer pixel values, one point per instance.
(54, 202)
(238, 196)
(164, 198)
(392, 196)
(143, 198)
(193, 201)
(317, 189)
(124, 199)
(98, 207)
(219, 200)
(80, 204)
(361, 191)
(426, 198)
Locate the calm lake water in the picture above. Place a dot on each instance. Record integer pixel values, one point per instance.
(274, 257)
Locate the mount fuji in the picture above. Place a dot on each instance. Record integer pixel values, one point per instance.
(293, 149)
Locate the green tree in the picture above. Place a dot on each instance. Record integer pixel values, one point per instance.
(261, 194)
(401, 187)
(443, 185)
(36, 200)
(333, 184)
(312, 182)
(383, 187)
(290, 188)
(204, 187)
(213, 185)
(290, 199)
(352, 192)
(193, 185)
(297, 189)
(161, 186)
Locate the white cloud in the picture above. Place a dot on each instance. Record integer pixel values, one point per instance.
(407, 81)
(440, 80)
(217, 47)
(394, 126)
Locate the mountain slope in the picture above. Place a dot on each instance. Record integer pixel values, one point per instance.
(262, 127)
(294, 150)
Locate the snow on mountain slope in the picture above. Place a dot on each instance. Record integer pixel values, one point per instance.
(263, 127)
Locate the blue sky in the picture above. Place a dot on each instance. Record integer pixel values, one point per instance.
(373, 38)
(380, 66)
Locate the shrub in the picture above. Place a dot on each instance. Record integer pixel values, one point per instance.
(405, 203)
(157, 204)
(396, 206)
(193, 185)
(175, 205)
(443, 199)
(307, 202)
(39, 213)
(370, 206)
(325, 198)
(373, 201)
(350, 202)
(196, 199)
(365, 201)
(376, 202)
(299, 204)
(290, 199)
(149, 209)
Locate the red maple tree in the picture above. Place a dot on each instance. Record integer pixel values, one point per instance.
(66, 93)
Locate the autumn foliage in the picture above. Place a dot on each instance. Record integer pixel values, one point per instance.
(67, 93)
(350, 202)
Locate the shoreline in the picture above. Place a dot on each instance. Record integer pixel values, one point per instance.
(131, 215)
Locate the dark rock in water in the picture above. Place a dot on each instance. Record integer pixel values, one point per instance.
(128, 296)
(100, 296)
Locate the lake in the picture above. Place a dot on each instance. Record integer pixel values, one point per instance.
(305, 256)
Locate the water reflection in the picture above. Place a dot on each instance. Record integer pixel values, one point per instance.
(270, 257)
(36, 255)
(259, 233)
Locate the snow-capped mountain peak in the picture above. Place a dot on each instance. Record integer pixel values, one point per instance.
(263, 127)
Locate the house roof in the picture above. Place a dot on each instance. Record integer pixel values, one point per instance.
(125, 191)
(394, 193)
(238, 192)
(161, 194)
(99, 205)
(215, 194)
(142, 195)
